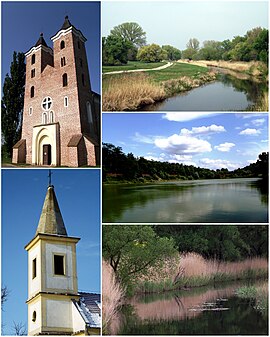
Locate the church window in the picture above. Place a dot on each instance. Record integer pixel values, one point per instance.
(33, 59)
(62, 44)
(30, 111)
(44, 118)
(34, 268)
(32, 92)
(89, 112)
(34, 316)
(65, 101)
(32, 73)
(65, 80)
(63, 61)
(46, 103)
(51, 117)
(59, 265)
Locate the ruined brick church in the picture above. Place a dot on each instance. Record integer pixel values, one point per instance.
(61, 114)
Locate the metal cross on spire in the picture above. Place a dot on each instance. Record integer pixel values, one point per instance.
(50, 177)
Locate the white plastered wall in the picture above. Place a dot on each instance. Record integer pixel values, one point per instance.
(34, 285)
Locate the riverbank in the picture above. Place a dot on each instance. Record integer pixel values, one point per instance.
(132, 91)
(256, 69)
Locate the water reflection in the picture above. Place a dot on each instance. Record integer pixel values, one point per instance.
(231, 92)
(228, 200)
(178, 313)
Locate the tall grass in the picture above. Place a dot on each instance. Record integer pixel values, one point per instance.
(259, 293)
(129, 91)
(192, 270)
(112, 295)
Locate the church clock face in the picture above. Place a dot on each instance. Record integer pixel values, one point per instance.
(46, 103)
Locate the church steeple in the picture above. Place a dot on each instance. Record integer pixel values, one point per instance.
(51, 221)
(41, 41)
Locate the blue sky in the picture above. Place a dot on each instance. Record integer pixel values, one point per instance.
(174, 23)
(210, 140)
(23, 21)
(23, 194)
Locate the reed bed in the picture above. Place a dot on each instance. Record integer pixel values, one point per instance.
(129, 91)
(192, 270)
(112, 295)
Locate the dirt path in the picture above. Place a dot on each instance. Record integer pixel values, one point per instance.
(169, 64)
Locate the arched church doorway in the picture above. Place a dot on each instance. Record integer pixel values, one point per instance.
(47, 154)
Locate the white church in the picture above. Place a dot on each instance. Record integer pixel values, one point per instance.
(55, 306)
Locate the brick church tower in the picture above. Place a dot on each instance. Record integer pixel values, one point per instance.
(61, 114)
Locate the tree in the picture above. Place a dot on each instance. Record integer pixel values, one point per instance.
(12, 103)
(115, 50)
(151, 53)
(193, 44)
(172, 53)
(131, 249)
(130, 31)
(4, 295)
(19, 329)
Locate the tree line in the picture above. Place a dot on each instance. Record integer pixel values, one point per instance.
(127, 42)
(120, 166)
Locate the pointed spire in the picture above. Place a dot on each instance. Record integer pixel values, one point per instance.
(66, 23)
(41, 41)
(51, 221)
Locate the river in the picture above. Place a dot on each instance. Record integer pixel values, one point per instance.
(212, 310)
(239, 200)
(231, 92)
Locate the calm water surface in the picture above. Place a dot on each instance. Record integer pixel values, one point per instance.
(222, 200)
(202, 311)
(228, 93)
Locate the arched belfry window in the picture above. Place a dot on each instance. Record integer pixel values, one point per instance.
(44, 118)
(62, 44)
(89, 112)
(65, 80)
(32, 91)
(33, 59)
(63, 61)
(34, 316)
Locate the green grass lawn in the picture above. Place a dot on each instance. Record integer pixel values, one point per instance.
(132, 65)
(177, 70)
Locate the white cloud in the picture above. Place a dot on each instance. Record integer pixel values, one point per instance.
(186, 116)
(264, 140)
(258, 122)
(250, 132)
(225, 147)
(201, 130)
(215, 164)
(183, 145)
(143, 139)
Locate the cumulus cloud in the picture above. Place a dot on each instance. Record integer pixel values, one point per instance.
(215, 164)
(183, 145)
(186, 116)
(250, 132)
(202, 130)
(224, 147)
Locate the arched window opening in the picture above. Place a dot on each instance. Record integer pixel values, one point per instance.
(30, 111)
(34, 316)
(62, 44)
(89, 112)
(51, 117)
(32, 92)
(33, 59)
(65, 80)
(65, 101)
(63, 61)
(44, 118)
(33, 72)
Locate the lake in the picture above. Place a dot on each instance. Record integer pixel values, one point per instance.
(228, 93)
(239, 200)
(212, 310)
